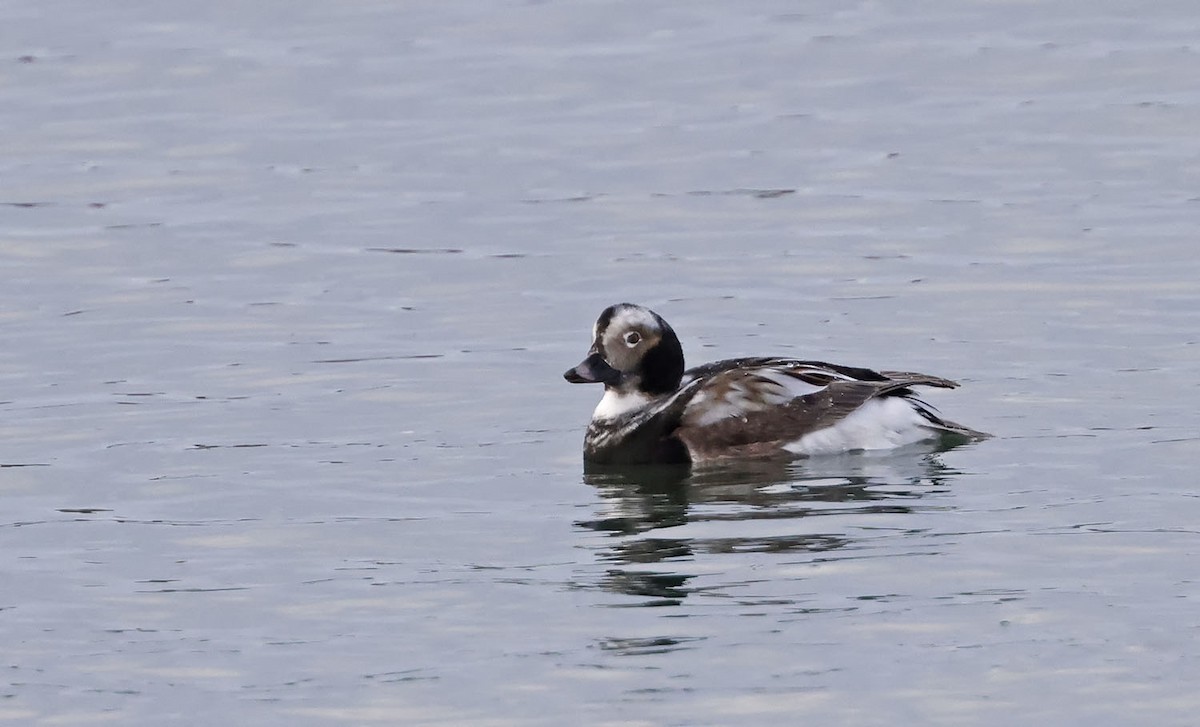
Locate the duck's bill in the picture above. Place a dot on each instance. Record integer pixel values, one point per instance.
(592, 370)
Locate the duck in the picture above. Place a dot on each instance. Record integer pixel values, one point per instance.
(654, 411)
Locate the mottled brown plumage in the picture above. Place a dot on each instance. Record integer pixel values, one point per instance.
(766, 430)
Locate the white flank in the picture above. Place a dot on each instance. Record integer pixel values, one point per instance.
(614, 404)
(884, 423)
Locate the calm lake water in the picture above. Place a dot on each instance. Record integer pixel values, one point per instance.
(287, 289)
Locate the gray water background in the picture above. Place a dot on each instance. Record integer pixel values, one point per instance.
(287, 289)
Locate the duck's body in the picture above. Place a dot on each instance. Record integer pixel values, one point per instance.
(653, 411)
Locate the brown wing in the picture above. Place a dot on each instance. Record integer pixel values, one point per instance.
(742, 413)
(914, 379)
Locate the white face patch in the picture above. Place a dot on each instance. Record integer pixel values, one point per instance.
(630, 334)
(616, 403)
(633, 317)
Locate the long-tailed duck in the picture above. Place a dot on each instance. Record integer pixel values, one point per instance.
(653, 411)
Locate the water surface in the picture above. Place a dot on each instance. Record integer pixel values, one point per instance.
(287, 290)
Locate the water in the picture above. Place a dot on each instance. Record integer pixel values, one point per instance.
(288, 288)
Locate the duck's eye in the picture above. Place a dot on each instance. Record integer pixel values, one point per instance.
(633, 338)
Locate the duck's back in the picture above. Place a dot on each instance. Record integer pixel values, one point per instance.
(755, 407)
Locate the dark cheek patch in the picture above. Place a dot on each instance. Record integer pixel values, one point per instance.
(662, 369)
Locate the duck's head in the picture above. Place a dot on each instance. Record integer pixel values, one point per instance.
(633, 349)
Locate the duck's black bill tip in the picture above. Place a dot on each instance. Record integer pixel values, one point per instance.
(592, 370)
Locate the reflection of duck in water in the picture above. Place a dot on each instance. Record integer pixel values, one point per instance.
(666, 514)
(655, 412)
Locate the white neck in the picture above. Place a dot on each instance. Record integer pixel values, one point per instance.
(617, 403)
